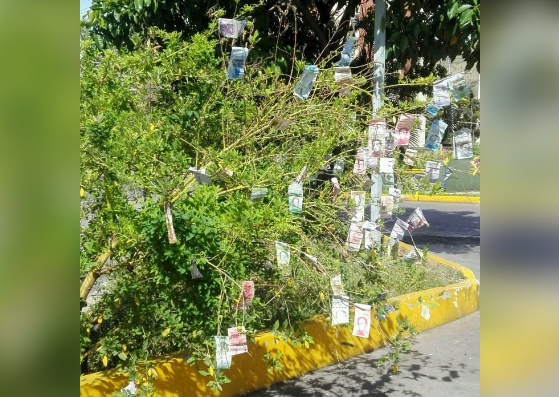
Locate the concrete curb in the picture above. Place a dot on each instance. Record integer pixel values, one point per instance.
(249, 372)
(443, 199)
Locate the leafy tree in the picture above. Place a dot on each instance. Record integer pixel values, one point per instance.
(304, 29)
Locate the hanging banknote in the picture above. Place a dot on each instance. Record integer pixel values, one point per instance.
(347, 49)
(386, 165)
(417, 136)
(373, 236)
(336, 284)
(200, 175)
(280, 124)
(377, 137)
(237, 341)
(432, 170)
(409, 157)
(359, 166)
(416, 219)
(222, 355)
(432, 110)
(257, 194)
(462, 143)
(376, 187)
(230, 27)
(441, 94)
(386, 206)
(336, 188)
(402, 131)
(399, 229)
(458, 87)
(436, 132)
(247, 295)
(283, 254)
(358, 198)
(342, 75)
(169, 222)
(236, 68)
(295, 194)
(355, 236)
(304, 86)
(395, 192)
(362, 321)
(339, 166)
(340, 310)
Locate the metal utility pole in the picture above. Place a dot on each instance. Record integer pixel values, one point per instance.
(380, 55)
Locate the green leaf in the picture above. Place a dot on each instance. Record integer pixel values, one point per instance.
(122, 356)
(462, 8)
(204, 373)
(404, 44)
(466, 18)
(276, 325)
(452, 12)
(347, 344)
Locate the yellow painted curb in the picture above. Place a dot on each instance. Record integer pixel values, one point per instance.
(443, 199)
(249, 372)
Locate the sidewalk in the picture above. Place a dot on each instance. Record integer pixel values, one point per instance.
(445, 362)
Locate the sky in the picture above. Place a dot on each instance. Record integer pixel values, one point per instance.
(84, 6)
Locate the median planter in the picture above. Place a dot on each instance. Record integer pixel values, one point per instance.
(249, 372)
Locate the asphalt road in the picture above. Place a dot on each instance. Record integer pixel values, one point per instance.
(445, 360)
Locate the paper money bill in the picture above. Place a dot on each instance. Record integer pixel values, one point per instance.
(355, 236)
(386, 165)
(222, 355)
(358, 201)
(340, 310)
(432, 110)
(347, 49)
(236, 68)
(283, 254)
(432, 170)
(336, 284)
(436, 132)
(304, 86)
(416, 219)
(129, 390)
(336, 188)
(386, 206)
(237, 340)
(362, 321)
(409, 157)
(373, 236)
(169, 222)
(376, 187)
(280, 124)
(399, 229)
(295, 194)
(200, 175)
(257, 194)
(359, 167)
(247, 295)
(395, 192)
(458, 87)
(230, 27)
(377, 136)
(462, 143)
(441, 94)
(402, 131)
(338, 167)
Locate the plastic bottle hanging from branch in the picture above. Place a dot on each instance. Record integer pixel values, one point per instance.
(169, 221)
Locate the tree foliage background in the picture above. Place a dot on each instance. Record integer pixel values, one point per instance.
(154, 102)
